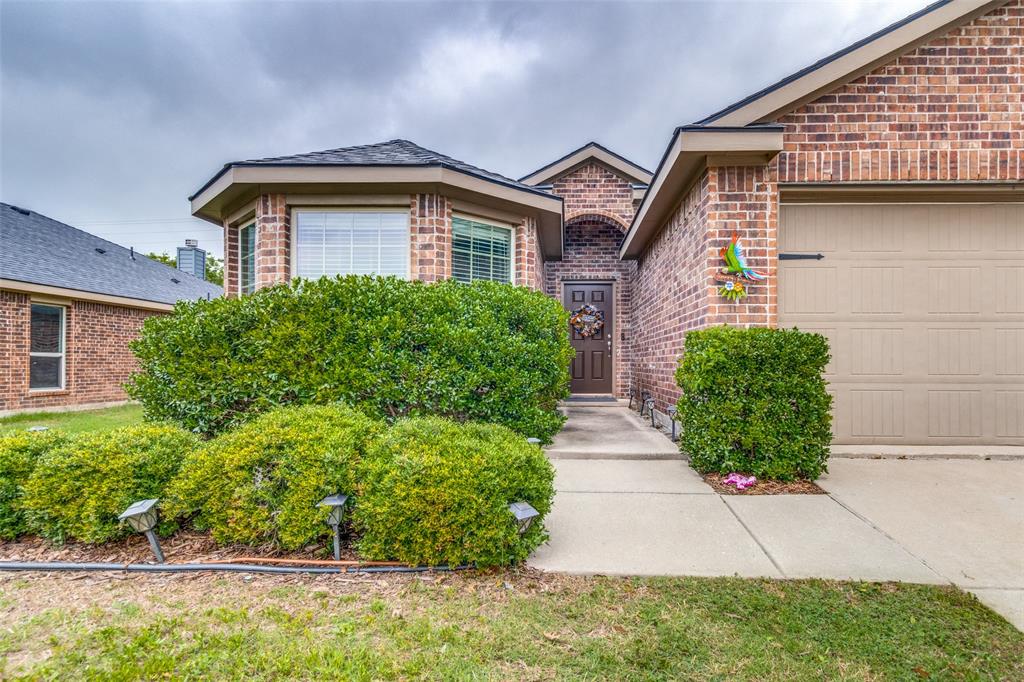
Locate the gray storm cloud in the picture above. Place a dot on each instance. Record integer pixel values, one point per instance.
(112, 114)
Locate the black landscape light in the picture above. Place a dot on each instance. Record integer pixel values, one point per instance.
(141, 516)
(533, 441)
(524, 513)
(337, 506)
(672, 415)
(649, 404)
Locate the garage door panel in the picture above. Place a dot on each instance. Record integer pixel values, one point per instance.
(923, 306)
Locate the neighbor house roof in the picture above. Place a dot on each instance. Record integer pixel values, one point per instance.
(387, 168)
(745, 129)
(43, 255)
(590, 151)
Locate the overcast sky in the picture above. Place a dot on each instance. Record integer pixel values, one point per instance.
(113, 113)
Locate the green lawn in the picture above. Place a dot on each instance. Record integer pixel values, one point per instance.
(497, 627)
(75, 422)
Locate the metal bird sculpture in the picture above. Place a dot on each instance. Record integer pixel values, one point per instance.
(735, 263)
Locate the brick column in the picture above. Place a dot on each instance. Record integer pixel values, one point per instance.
(230, 261)
(526, 262)
(273, 241)
(430, 237)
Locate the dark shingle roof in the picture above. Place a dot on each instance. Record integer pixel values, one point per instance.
(391, 153)
(40, 250)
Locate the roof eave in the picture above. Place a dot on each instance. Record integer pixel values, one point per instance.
(692, 149)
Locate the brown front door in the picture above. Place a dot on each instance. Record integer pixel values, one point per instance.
(591, 370)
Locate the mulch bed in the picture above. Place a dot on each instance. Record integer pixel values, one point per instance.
(185, 546)
(764, 487)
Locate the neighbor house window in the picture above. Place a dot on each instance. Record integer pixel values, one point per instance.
(351, 243)
(481, 251)
(247, 259)
(46, 348)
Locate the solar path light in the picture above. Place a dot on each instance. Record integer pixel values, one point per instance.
(142, 518)
(336, 503)
(533, 441)
(524, 515)
(672, 409)
(649, 404)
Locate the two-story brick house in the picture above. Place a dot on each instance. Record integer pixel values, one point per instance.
(880, 190)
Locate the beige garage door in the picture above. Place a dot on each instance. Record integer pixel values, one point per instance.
(924, 307)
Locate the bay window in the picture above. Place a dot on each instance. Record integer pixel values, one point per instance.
(481, 251)
(46, 347)
(351, 242)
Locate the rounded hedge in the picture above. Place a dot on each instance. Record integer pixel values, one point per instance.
(434, 492)
(78, 488)
(391, 348)
(260, 483)
(755, 401)
(19, 452)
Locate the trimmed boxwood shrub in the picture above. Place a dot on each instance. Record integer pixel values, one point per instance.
(391, 348)
(260, 483)
(79, 487)
(19, 452)
(754, 401)
(435, 492)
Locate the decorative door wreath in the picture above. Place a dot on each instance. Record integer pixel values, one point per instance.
(587, 320)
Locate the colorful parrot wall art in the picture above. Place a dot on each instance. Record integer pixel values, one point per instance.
(733, 277)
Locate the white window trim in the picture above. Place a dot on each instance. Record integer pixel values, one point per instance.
(63, 348)
(293, 237)
(493, 223)
(243, 225)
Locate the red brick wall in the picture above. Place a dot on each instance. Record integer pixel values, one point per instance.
(949, 111)
(594, 189)
(97, 358)
(528, 263)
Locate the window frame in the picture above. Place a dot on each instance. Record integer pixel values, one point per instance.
(294, 233)
(63, 354)
(490, 222)
(242, 227)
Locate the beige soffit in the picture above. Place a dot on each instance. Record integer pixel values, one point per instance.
(851, 62)
(44, 290)
(591, 150)
(241, 183)
(693, 148)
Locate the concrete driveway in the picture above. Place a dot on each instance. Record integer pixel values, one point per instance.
(946, 521)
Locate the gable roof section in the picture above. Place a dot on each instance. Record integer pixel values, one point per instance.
(591, 150)
(851, 62)
(47, 253)
(394, 153)
(688, 151)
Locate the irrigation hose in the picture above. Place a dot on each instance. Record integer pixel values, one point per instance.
(233, 568)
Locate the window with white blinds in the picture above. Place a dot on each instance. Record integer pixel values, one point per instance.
(481, 251)
(351, 243)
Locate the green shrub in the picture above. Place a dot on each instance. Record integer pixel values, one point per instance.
(754, 401)
(260, 483)
(391, 348)
(19, 452)
(435, 492)
(78, 488)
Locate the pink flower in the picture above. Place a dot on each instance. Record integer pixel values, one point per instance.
(740, 481)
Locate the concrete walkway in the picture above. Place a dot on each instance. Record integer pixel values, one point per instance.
(608, 431)
(959, 522)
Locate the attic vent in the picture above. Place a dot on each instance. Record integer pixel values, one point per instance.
(100, 251)
(175, 280)
(22, 211)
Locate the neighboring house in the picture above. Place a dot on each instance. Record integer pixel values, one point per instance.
(69, 304)
(880, 190)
